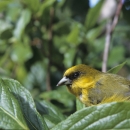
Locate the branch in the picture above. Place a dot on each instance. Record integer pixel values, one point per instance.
(109, 30)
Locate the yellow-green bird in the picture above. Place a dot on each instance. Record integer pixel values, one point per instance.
(93, 87)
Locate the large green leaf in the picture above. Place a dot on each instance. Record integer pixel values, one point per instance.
(25, 100)
(117, 68)
(106, 116)
(11, 116)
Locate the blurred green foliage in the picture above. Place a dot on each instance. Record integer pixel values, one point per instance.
(39, 39)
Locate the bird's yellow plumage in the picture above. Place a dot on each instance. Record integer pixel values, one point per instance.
(93, 87)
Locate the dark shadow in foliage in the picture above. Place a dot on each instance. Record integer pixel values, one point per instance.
(79, 9)
(49, 111)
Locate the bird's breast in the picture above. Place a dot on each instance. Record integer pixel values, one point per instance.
(76, 91)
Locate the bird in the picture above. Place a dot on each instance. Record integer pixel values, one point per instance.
(93, 87)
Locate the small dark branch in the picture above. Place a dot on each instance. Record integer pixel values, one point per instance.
(13, 73)
(49, 49)
(109, 30)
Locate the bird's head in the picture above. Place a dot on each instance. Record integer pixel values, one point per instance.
(78, 76)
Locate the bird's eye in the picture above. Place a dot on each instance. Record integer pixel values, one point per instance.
(76, 74)
(73, 75)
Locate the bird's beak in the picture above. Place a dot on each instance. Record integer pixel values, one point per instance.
(64, 81)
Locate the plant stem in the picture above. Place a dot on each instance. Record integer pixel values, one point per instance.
(109, 29)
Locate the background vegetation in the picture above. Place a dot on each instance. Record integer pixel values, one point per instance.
(40, 39)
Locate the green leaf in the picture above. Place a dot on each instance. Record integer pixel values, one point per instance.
(61, 95)
(118, 53)
(22, 22)
(79, 105)
(117, 68)
(94, 33)
(21, 52)
(5, 29)
(36, 76)
(10, 112)
(45, 5)
(93, 15)
(32, 4)
(4, 3)
(24, 98)
(5, 25)
(69, 55)
(51, 113)
(73, 36)
(101, 117)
